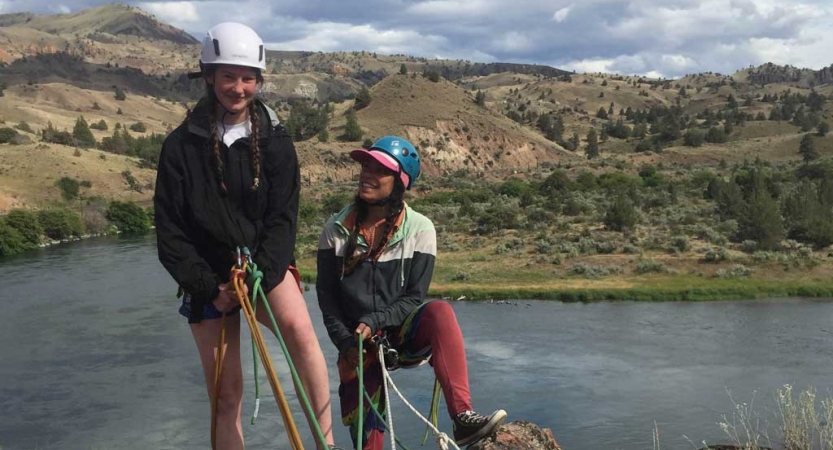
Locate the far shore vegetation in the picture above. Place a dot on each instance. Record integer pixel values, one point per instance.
(749, 231)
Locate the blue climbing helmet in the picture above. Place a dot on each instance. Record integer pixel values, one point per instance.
(403, 152)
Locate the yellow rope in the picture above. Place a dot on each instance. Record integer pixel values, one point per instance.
(238, 278)
(218, 371)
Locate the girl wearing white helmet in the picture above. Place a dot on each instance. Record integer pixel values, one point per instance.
(228, 177)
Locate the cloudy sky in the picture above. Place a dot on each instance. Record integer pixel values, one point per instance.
(669, 37)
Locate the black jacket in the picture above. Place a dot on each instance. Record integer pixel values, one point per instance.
(198, 229)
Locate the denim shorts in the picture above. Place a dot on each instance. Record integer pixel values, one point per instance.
(208, 309)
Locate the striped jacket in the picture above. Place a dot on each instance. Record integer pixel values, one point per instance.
(382, 293)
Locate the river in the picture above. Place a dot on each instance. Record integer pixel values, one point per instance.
(95, 356)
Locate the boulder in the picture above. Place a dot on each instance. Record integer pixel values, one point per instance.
(518, 435)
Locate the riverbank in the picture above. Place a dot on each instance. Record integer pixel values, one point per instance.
(647, 277)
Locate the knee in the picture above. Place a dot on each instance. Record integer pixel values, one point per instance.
(230, 400)
(300, 332)
(439, 311)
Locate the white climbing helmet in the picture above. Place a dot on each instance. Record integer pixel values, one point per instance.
(234, 44)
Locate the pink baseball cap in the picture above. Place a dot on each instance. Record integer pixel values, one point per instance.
(361, 155)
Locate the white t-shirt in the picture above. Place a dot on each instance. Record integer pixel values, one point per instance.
(231, 133)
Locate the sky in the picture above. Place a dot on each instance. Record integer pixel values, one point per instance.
(669, 38)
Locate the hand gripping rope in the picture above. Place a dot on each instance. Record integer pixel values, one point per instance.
(443, 441)
(245, 265)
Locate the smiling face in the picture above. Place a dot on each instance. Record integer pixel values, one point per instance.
(375, 181)
(235, 88)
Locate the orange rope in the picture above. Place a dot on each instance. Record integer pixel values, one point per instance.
(238, 277)
(218, 371)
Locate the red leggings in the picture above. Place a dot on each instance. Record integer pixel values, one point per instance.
(438, 328)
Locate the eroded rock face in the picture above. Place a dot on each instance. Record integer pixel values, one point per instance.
(518, 435)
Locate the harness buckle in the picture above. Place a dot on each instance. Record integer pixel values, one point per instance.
(390, 354)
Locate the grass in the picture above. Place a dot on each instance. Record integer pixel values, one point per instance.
(507, 277)
(801, 422)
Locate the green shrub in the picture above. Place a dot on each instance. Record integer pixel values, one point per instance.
(128, 217)
(69, 188)
(23, 126)
(26, 223)
(749, 246)
(11, 241)
(60, 223)
(460, 276)
(7, 134)
(648, 266)
(680, 244)
(630, 249)
(138, 127)
(736, 271)
(621, 214)
(716, 255)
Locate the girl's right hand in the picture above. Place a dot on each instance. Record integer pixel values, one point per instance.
(227, 299)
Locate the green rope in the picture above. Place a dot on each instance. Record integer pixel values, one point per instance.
(360, 374)
(255, 358)
(257, 276)
(435, 409)
(382, 418)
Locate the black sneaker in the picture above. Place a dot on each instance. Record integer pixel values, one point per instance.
(470, 427)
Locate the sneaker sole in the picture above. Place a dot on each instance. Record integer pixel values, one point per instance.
(497, 418)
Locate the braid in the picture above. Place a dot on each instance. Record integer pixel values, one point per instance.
(215, 145)
(255, 149)
(396, 205)
(351, 259)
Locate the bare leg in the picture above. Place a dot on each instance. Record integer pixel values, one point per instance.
(294, 322)
(207, 335)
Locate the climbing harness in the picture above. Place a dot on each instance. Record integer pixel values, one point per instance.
(244, 267)
(384, 353)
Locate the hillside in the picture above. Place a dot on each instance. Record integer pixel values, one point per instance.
(474, 119)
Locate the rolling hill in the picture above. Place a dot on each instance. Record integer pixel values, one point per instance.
(468, 119)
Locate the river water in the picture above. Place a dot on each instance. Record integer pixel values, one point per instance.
(95, 356)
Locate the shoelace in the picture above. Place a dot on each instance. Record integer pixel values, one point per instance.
(471, 418)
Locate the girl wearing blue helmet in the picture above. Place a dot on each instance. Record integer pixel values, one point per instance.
(375, 261)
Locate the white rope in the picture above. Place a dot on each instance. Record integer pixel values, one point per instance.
(387, 398)
(442, 438)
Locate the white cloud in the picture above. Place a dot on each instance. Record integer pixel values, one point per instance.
(672, 37)
(588, 65)
(176, 13)
(513, 41)
(448, 9)
(61, 9)
(562, 14)
(329, 36)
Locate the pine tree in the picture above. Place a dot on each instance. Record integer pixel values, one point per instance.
(807, 149)
(761, 217)
(82, 134)
(362, 99)
(822, 128)
(120, 95)
(480, 98)
(592, 149)
(352, 130)
(575, 141)
(403, 70)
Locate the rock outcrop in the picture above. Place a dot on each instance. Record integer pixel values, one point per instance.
(519, 435)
